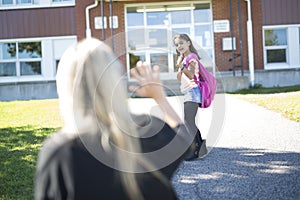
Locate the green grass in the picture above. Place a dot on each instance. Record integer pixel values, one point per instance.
(24, 125)
(284, 100)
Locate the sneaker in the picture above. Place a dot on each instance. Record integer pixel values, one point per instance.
(193, 156)
(193, 152)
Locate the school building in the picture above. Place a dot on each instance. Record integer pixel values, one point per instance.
(243, 42)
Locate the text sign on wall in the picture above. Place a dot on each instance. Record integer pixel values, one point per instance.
(221, 26)
(98, 23)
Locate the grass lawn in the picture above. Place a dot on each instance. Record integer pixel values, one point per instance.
(24, 125)
(284, 100)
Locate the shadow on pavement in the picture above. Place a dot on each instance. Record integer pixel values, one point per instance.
(242, 173)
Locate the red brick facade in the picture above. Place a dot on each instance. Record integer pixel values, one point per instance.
(256, 7)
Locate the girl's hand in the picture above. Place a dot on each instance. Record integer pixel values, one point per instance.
(192, 64)
(148, 80)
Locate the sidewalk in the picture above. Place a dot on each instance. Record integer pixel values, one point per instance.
(255, 156)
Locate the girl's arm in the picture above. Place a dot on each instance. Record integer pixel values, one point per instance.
(190, 71)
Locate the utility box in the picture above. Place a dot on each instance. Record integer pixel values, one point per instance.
(227, 44)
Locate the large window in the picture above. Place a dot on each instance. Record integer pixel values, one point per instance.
(150, 30)
(61, 0)
(6, 2)
(20, 59)
(35, 59)
(20, 4)
(276, 45)
(16, 2)
(281, 46)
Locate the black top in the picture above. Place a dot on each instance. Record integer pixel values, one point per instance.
(67, 170)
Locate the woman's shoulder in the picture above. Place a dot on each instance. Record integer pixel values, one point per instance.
(53, 146)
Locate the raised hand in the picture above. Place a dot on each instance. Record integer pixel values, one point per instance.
(151, 86)
(148, 81)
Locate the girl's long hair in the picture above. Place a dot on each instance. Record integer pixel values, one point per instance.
(93, 98)
(185, 37)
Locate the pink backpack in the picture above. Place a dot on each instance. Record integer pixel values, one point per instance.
(207, 83)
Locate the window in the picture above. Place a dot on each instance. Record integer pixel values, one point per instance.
(20, 59)
(21, 4)
(24, 1)
(281, 46)
(16, 2)
(160, 59)
(157, 18)
(202, 13)
(6, 2)
(150, 30)
(134, 18)
(157, 38)
(180, 17)
(275, 45)
(61, 0)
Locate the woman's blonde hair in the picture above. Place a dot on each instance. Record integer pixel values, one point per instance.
(92, 96)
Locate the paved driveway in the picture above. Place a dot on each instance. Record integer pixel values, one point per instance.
(254, 153)
(256, 156)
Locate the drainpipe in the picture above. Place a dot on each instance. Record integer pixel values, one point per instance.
(112, 23)
(250, 44)
(102, 15)
(88, 32)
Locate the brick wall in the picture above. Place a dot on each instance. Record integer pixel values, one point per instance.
(221, 11)
(257, 18)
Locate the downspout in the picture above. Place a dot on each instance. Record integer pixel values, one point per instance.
(241, 37)
(250, 44)
(102, 15)
(88, 32)
(232, 36)
(112, 23)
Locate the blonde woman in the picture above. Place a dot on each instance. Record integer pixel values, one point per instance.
(102, 151)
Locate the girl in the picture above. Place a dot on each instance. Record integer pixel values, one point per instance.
(188, 74)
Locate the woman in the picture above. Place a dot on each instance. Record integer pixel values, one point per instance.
(102, 151)
(188, 74)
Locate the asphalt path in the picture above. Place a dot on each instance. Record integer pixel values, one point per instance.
(254, 153)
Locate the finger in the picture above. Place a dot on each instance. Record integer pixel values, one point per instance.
(140, 67)
(156, 68)
(156, 75)
(134, 74)
(139, 63)
(144, 69)
(155, 71)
